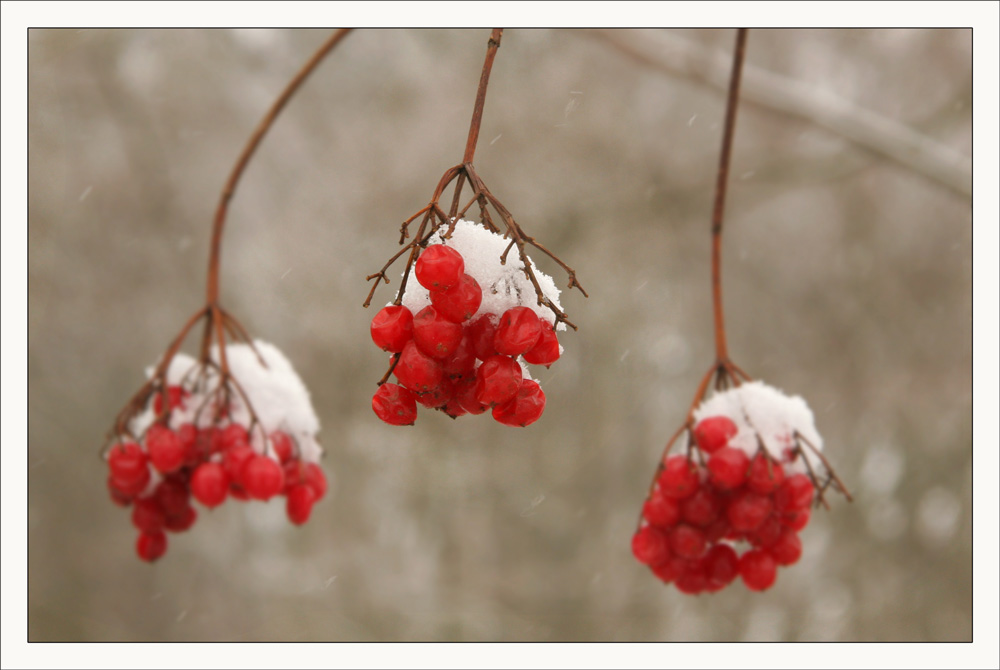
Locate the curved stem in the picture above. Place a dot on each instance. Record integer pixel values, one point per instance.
(484, 80)
(721, 352)
(212, 290)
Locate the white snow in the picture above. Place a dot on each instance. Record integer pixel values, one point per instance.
(504, 286)
(765, 413)
(279, 398)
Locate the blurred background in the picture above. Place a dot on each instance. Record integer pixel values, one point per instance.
(847, 276)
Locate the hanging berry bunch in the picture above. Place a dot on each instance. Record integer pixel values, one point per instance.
(461, 340)
(234, 422)
(752, 468)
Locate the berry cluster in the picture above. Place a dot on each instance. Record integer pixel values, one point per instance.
(737, 490)
(454, 356)
(207, 445)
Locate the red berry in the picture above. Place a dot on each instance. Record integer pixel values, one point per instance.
(482, 330)
(679, 478)
(316, 480)
(796, 519)
(392, 328)
(147, 515)
(262, 477)
(650, 546)
(497, 380)
(299, 504)
(395, 405)
(173, 495)
(661, 510)
(151, 546)
(437, 396)
(166, 452)
(462, 360)
(117, 496)
(283, 446)
(231, 436)
(439, 267)
(188, 435)
(701, 508)
(518, 331)
(435, 335)
(728, 467)
(460, 302)
(127, 462)
(795, 493)
(717, 530)
(747, 511)
(758, 569)
(465, 395)
(721, 566)
(416, 370)
(765, 474)
(233, 462)
(132, 488)
(767, 533)
(210, 484)
(787, 550)
(713, 433)
(546, 350)
(175, 399)
(182, 521)
(526, 407)
(668, 570)
(687, 541)
(692, 578)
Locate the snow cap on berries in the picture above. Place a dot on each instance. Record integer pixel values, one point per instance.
(759, 410)
(504, 286)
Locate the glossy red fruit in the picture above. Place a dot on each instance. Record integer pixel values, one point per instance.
(283, 446)
(687, 541)
(765, 475)
(701, 508)
(721, 566)
(175, 398)
(747, 511)
(497, 380)
(416, 370)
(233, 462)
(315, 479)
(127, 462)
(758, 569)
(166, 452)
(465, 395)
(728, 468)
(231, 436)
(173, 495)
(210, 484)
(787, 549)
(435, 335)
(481, 331)
(181, 522)
(461, 301)
(668, 570)
(796, 519)
(392, 328)
(132, 488)
(679, 478)
(692, 578)
(650, 546)
(795, 493)
(117, 497)
(713, 433)
(151, 546)
(661, 510)
(439, 395)
(518, 331)
(526, 407)
(439, 267)
(188, 435)
(395, 405)
(546, 350)
(299, 504)
(462, 361)
(262, 477)
(147, 515)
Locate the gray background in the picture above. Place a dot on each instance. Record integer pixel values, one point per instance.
(847, 280)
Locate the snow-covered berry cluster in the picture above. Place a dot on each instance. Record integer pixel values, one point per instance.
(746, 486)
(249, 437)
(462, 339)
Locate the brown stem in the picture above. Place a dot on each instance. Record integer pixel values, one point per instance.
(212, 290)
(721, 352)
(477, 110)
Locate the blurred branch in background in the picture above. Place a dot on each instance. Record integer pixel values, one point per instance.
(908, 148)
